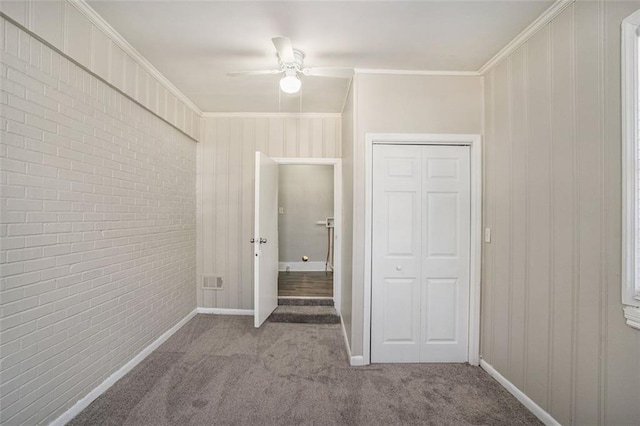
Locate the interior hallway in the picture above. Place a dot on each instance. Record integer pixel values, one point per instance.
(221, 370)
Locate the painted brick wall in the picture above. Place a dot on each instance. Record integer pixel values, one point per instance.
(97, 251)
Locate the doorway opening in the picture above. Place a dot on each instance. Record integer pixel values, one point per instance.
(308, 279)
(267, 301)
(305, 231)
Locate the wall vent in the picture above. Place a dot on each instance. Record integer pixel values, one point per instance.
(212, 282)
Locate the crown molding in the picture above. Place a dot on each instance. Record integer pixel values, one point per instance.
(106, 28)
(271, 115)
(542, 20)
(415, 72)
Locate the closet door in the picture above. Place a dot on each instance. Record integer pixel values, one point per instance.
(397, 253)
(446, 232)
(420, 248)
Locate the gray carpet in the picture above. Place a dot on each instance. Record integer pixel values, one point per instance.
(220, 370)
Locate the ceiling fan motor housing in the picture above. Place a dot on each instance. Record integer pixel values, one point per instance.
(296, 65)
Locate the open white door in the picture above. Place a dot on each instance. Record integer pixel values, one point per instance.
(265, 239)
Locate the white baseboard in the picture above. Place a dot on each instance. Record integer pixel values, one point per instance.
(102, 387)
(302, 266)
(357, 360)
(346, 339)
(353, 360)
(541, 414)
(222, 311)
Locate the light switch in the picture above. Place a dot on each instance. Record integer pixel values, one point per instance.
(487, 235)
(281, 210)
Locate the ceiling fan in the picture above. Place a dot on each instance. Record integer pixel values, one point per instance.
(291, 65)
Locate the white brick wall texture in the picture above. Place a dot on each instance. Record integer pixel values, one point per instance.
(97, 230)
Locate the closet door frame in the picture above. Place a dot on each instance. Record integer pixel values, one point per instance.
(474, 141)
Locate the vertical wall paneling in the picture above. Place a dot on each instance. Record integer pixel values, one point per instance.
(162, 102)
(604, 218)
(330, 133)
(221, 197)
(540, 220)
(588, 104)
(226, 182)
(276, 137)
(180, 123)
(291, 138)
(116, 73)
(171, 112)
(317, 138)
(304, 139)
(47, 21)
(77, 36)
(99, 52)
(152, 100)
(569, 348)
(261, 135)
(234, 210)
(563, 201)
(247, 207)
(81, 34)
(501, 158)
(130, 76)
(487, 263)
(142, 91)
(519, 219)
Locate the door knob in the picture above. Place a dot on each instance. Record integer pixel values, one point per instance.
(252, 240)
(398, 268)
(263, 240)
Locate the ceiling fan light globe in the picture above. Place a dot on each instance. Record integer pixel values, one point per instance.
(290, 84)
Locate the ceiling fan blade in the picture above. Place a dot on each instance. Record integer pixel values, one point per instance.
(284, 48)
(329, 72)
(258, 72)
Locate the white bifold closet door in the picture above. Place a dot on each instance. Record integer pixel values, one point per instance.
(421, 253)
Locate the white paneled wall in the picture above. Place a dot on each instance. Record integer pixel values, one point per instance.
(79, 32)
(552, 320)
(225, 186)
(97, 230)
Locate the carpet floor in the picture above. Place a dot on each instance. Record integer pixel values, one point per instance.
(219, 370)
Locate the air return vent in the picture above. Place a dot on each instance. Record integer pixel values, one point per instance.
(212, 282)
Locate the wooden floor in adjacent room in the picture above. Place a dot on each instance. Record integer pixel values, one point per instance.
(305, 284)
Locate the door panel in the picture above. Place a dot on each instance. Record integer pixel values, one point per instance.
(265, 239)
(401, 207)
(445, 265)
(420, 247)
(398, 310)
(442, 221)
(397, 204)
(441, 310)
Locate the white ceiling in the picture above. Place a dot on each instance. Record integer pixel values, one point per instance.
(195, 43)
